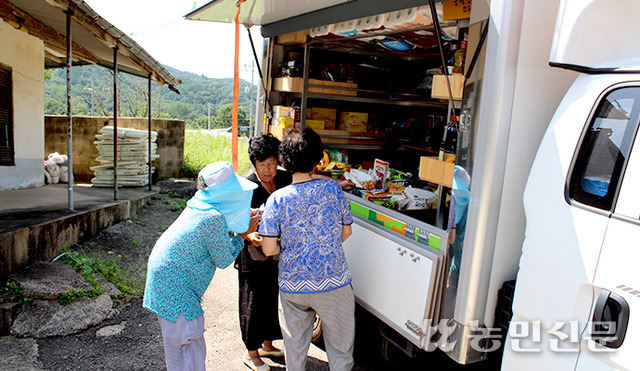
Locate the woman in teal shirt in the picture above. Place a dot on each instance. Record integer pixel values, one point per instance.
(186, 256)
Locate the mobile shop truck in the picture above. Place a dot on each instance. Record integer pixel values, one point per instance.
(545, 175)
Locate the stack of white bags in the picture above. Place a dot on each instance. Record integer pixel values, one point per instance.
(133, 157)
(56, 168)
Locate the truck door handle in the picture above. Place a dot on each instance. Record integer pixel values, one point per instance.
(610, 319)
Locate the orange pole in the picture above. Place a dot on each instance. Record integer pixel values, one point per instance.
(236, 83)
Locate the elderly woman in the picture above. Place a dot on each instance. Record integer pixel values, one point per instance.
(186, 256)
(257, 274)
(306, 223)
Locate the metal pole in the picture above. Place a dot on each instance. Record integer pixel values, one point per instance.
(250, 92)
(69, 114)
(149, 134)
(92, 99)
(115, 122)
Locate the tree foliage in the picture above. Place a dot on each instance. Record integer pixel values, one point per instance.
(92, 86)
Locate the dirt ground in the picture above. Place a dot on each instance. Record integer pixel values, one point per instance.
(131, 340)
(138, 345)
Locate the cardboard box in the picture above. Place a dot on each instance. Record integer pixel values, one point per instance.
(355, 122)
(288, 84)
(456, 9)
(277, 131)
(436, 171)
(439, 88)
(283, 111)
(283, 122)
(328, 115)
(314, 124)
(332, 87)
(298, 37)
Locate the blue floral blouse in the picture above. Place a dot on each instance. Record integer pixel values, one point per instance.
(308, 218)
(184, 260)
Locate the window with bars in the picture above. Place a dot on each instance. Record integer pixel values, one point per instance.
(7, 152)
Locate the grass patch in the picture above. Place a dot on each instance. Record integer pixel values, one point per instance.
(92, 267)
(14, 288)
(179, 206)
(141, 223)
(201, 149)
(71, 295)
(136, 243)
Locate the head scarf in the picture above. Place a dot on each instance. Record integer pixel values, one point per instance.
(227, 193)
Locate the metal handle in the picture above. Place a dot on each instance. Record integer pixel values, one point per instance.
(610, 320)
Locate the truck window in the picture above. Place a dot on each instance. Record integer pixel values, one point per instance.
(605, 148)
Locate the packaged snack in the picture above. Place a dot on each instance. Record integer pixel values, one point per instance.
(355, 122)
(328, 115)
(380, 169)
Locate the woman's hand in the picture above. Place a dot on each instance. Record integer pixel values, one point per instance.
(255, 239)
(254, 221)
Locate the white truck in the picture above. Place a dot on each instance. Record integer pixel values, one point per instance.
(549, 112)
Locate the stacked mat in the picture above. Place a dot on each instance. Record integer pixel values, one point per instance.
(133, 157)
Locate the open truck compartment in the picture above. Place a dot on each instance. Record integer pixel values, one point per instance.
(375, 90)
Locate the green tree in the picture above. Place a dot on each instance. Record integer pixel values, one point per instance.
(223, 116)
(179, 110)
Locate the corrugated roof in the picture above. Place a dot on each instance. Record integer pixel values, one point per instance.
(93, 37)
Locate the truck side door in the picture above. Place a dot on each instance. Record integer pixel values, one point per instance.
(611, 340)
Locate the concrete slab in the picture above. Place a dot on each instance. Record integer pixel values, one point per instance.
(36, 222)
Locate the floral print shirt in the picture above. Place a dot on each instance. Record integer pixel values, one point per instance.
(308, 218)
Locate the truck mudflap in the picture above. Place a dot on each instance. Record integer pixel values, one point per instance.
(397, 267)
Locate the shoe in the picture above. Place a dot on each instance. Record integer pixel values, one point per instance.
(249, 363)
(267, 353)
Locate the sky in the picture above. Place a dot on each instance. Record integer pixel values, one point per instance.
(159, 26)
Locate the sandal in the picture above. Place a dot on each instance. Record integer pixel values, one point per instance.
(251, 365)
(270, 353)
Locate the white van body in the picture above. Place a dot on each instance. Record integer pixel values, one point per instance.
(574, 263)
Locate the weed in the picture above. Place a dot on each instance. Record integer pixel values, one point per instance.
(141, 223)
(167, 202)
(182, 203)
(25, 301)
(173, 195)
(71, 295)
(14, 288)
(163, 191)
(155, 197)
(136, 243)
(92, 267)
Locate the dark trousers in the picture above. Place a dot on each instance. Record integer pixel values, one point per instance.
(258, 302)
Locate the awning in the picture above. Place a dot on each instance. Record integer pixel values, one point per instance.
(93, 42)
(283, 16)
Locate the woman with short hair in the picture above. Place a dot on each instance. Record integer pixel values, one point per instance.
(306, 223)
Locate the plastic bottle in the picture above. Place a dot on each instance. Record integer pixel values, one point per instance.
(459, 57)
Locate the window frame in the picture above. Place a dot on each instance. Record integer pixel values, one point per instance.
(578, 168)
(10, 124)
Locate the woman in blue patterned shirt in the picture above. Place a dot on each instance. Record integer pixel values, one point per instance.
(306, 222)
(187, 254)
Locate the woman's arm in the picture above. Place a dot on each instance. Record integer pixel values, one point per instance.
(270, 246)
(346, 232)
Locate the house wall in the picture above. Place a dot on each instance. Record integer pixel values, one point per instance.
(24, 55)
(170, 142)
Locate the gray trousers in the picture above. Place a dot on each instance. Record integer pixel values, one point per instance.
(336, 310)
(184, 347)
